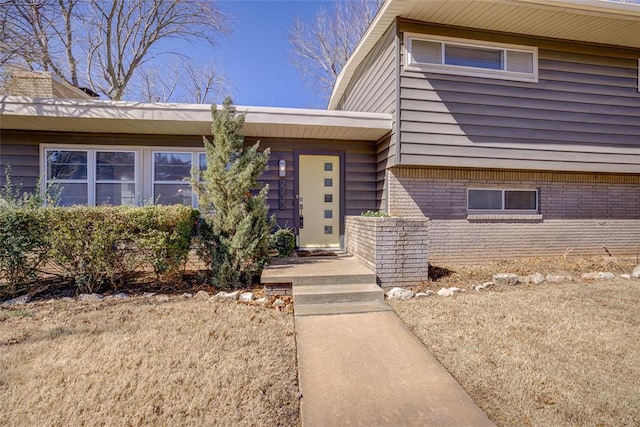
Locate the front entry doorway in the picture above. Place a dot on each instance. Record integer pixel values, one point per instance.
(319, 201)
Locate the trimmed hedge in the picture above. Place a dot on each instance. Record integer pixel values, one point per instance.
(94, 246)
(23, 244)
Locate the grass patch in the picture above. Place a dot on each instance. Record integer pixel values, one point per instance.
(549, 355)
(463, 276)
(184, 362)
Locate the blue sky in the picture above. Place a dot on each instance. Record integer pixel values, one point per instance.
(255, 56)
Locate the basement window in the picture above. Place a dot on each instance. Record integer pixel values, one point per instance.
(502, 200)
(475, 58)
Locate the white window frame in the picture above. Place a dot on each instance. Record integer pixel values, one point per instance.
(144, 177)
(92, 179)
(195, 159)
(442, 68)
(86, 181)
(136, 168)
(503, 209)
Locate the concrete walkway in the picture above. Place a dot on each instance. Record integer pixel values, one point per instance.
(368, 369)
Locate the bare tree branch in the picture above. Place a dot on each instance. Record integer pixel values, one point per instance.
(319, 49)
(182, 81)
(103, 44)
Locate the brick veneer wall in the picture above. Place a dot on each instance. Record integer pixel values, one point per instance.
(42, 84)
(579, 214)
(395, 248)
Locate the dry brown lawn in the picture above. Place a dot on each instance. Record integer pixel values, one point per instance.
(548, 355)
(185, 362)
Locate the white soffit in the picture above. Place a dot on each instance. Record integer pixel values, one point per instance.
(592, 21)
(22, 113)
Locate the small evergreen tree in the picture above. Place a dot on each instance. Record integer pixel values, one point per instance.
(233, 239)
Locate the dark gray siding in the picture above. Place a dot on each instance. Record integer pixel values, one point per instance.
(359, 173)
(21, 151)
(583, 114)
(373, 86)
(23, 162)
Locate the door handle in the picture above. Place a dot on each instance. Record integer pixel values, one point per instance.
(301, 221)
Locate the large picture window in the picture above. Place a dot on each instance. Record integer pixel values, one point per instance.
(171, 173)
(115, 178)
(92, 177)
(471, 58)
(69, 171)
(502, 200)
(121, 175)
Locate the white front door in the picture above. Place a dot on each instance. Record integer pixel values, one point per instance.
(319, 201)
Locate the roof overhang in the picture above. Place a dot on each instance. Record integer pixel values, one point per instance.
(591, 21)
(23, 113)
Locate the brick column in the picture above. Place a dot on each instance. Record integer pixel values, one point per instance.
(395, 248)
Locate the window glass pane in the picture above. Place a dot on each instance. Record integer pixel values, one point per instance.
(72, 194)
(115, 194)
(520, 62)
(66, 165)
(328, 198)
(328, 167)
(114, 166)
(328, 229)
(470, 56)
(522, 200)
(328, 213)
(172, 194)
(328, 182)
(171, 166)
(426, 52)
(485, 199)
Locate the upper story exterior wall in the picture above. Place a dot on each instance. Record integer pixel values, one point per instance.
(373, 86)
(583, 114)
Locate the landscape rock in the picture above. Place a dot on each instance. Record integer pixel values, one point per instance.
(227, 296)
(278, 303)
(202, 295)
(537, 279)
(525, 280)
(187, 295)
(400, 294)
(482, 287)
(446, 292)
(121, 295)
(162, 298)
(625, 276)
(246, 297)
(557, 278)
(262, 301)
(424, 294)
(148, 294)
(21, 300)
(636, 273)
(595, 275)
(509, 279)
(90, 297)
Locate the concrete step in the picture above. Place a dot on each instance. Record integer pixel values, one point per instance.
(341, 293)
(317, 271)
(340, 308)
(337, 279)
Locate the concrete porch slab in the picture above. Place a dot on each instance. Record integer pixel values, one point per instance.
(334, 270)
